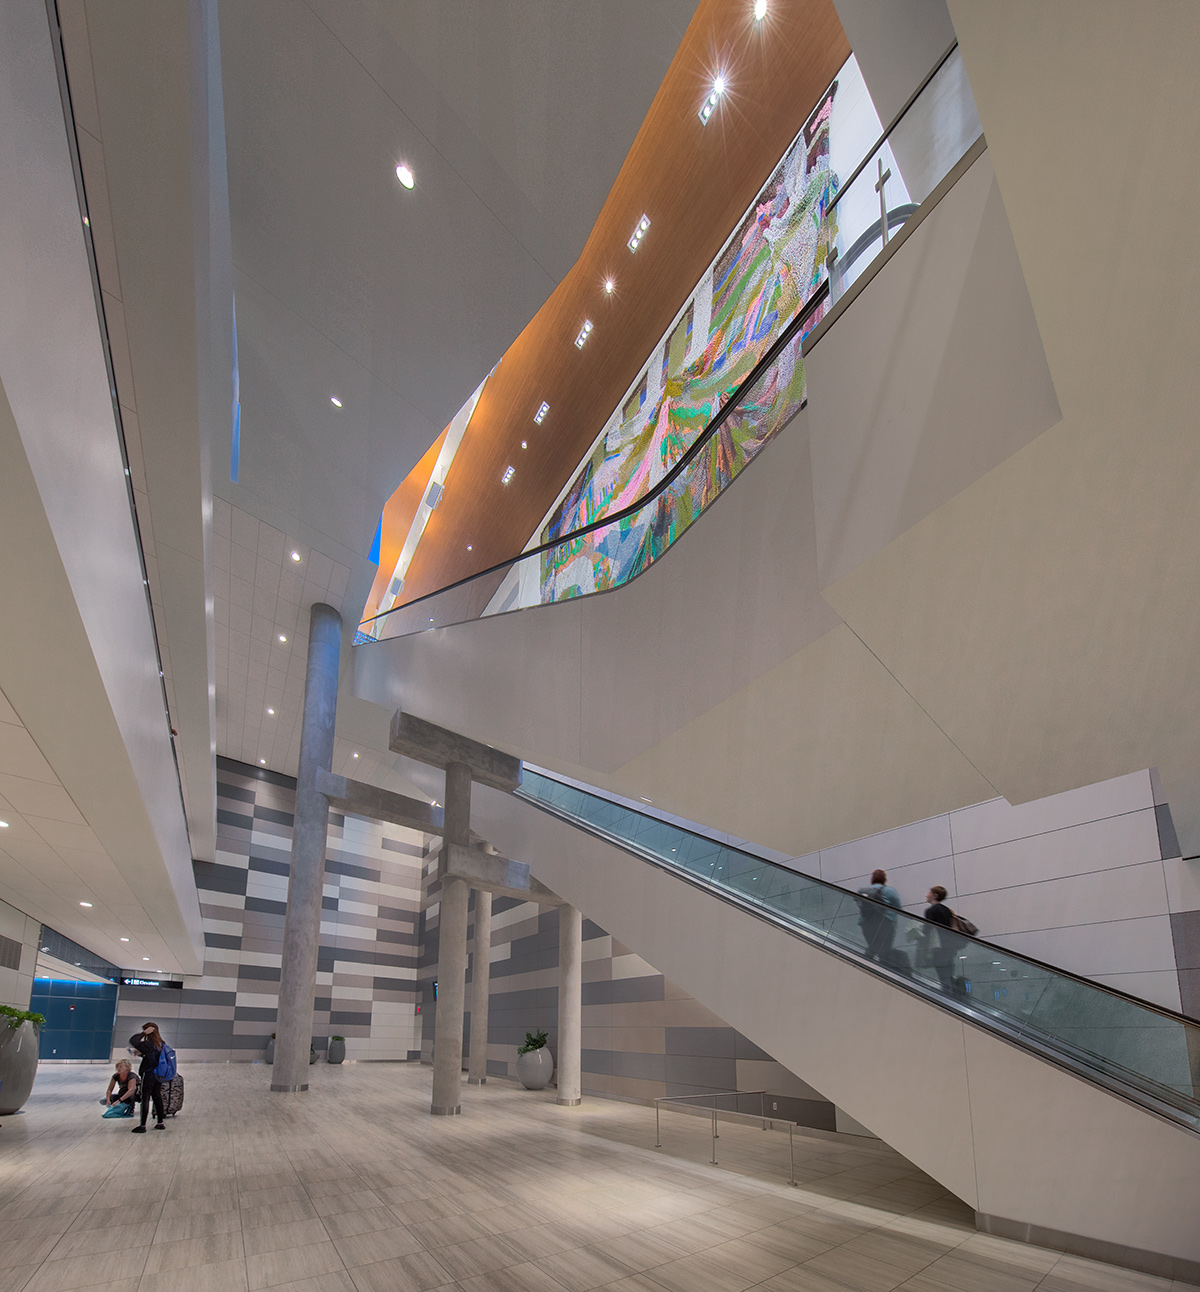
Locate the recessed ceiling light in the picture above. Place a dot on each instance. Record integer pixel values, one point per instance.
(584, 333)
(509, 472)
(710, 103)
(271, 713)
(145, 957)
(87, 222)
(524, 444)
(760, 10)
(124, 939)
(645, 799)
(262, 762)
(404, 175)
(3, 825)
(335, 401)
(470, 548)
(609, 285)
(295, 556)
(540, 416)
(353, 755)
(282, 637)
(635, 238)
(85, 903)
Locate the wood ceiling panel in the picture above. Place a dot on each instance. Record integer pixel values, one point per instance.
(694, 182)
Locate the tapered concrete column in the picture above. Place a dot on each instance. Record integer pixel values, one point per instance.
(481, 985)
(452, 951)
(570, 1004)
(302, 925)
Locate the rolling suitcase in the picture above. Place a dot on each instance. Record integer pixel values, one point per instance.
(172, 1095)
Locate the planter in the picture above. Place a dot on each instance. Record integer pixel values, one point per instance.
(535, 1068)
(337, 1050)
(18, 1065)
(312, 1055)
(270, 1050)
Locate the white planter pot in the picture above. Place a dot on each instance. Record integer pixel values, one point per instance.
(535, 1068)
(18, 1064)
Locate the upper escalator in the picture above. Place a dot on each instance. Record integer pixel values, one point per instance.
(1132, 1048)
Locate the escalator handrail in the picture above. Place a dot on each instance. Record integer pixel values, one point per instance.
(1057, 970)
(1100, 1069)
(727, 409)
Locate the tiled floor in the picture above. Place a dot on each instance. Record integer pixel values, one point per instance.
(354, 1188)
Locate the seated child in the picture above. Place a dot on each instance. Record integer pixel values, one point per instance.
(121, 1095)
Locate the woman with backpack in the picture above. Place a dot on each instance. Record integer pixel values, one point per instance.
(158, 1063)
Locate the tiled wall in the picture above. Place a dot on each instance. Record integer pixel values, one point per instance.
(18, 955)
(367, 962)
(1090, 880)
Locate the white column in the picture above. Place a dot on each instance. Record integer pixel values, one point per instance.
(570, 1004)
(452, 952)
(481, 975)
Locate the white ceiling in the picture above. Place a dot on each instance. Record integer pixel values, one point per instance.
(515, 117)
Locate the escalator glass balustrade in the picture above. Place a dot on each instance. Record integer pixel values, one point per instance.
(1136, 1049)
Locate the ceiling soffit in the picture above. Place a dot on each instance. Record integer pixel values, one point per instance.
(694, 182)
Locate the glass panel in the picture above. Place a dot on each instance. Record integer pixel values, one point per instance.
(1124, 1039)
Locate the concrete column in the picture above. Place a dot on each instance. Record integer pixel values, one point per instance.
(570, 1004)
(452, 951)
(302, 925)
(481, 985)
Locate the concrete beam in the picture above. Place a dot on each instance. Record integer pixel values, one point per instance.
(495, 874)
(381, 805)
(428, 743)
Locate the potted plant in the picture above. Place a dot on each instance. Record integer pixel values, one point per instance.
(337, 1049)
(18, 1056)
(535, 1063)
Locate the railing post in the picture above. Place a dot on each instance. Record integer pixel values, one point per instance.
(657, 1127)
(714, 1134)
(791, 1158)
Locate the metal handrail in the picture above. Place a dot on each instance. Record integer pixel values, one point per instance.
(730, 1112)
(822, 293)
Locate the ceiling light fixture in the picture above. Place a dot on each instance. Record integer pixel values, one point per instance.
(540, 416)
(707, 108)
(524, 444)
(295, 556)
(282, 638)
(87, 222)
(335, 401)
(635, 238)
(145, 957)
(584, 333)
(353, 755)
(609, 285)
(262, 762)
(404, 175)
(124, 939)
(469, 547)
(85, 903)
(3, 825)
(509, 472)
(760, 10)
(270, 713)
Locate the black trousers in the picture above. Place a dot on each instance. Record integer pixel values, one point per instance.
(152, 1091)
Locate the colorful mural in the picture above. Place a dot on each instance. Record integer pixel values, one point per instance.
(763, 277)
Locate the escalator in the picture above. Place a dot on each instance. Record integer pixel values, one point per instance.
(1063, 1111)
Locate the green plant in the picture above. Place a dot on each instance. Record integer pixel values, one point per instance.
(533, 1041)
(337, 1038)
(18, 1016)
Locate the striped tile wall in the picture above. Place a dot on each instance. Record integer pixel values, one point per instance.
(370, 935)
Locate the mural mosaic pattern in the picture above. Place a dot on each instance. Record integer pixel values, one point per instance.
(761, 280)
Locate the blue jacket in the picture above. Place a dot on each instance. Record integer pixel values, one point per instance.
(885, 894)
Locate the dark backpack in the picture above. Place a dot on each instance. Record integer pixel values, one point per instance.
(166, 1068)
